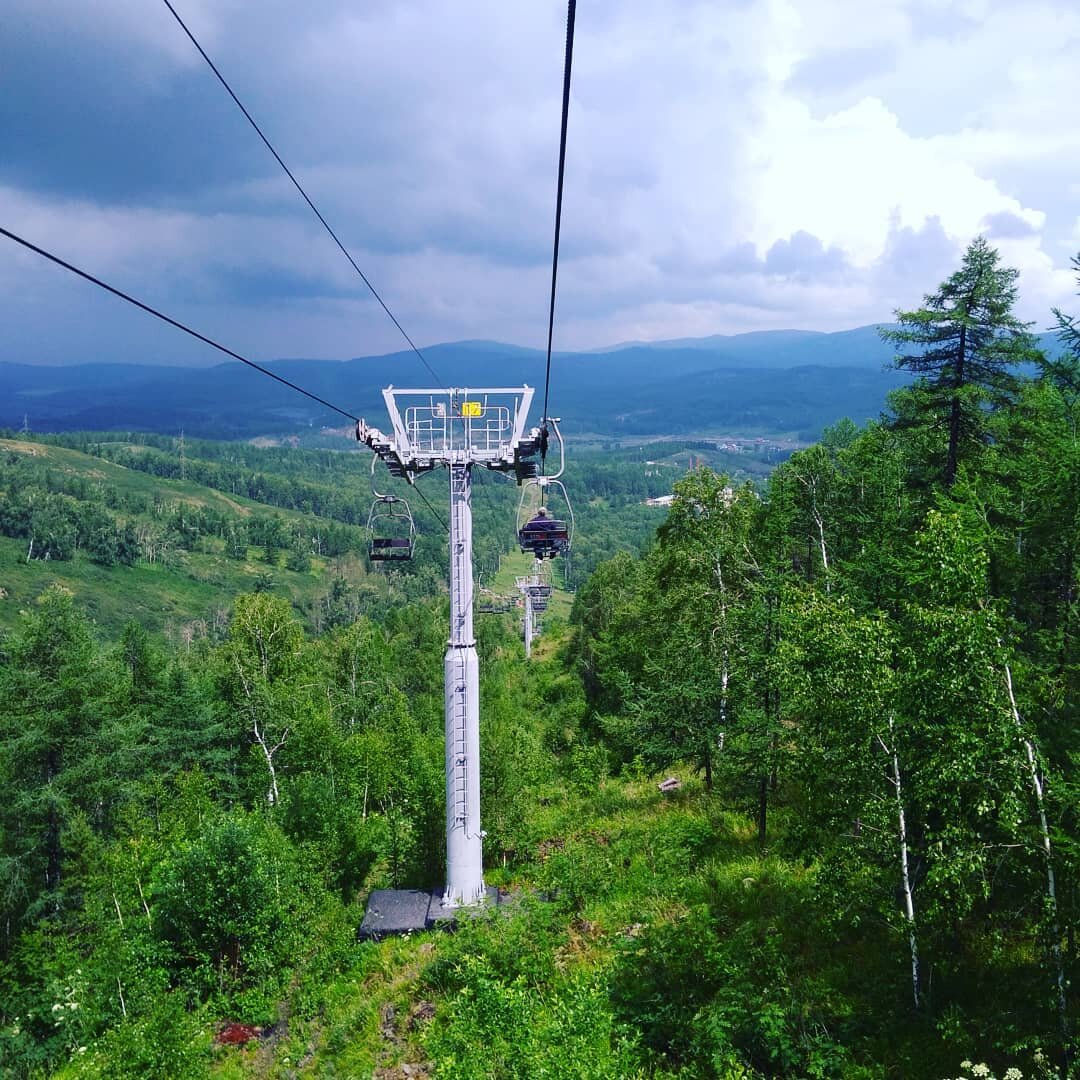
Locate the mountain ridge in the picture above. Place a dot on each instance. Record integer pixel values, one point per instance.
(843, 373)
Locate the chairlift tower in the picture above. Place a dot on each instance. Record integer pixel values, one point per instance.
(527, 624)
(536, 590)
(458, 429)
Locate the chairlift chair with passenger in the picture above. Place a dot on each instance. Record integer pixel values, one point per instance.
(541, 533)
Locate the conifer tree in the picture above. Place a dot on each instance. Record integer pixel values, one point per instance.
(965, 340)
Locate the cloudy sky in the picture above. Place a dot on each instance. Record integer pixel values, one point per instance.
(732, 166)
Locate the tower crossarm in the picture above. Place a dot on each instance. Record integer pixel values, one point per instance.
(405, 467)
(480, 426)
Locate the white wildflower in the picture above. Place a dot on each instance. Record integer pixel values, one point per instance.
(980, 1069)
(1013, 1074)
(965, 1064)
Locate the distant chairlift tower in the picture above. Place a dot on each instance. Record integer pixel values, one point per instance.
(536, 591)
(523, 584)
(459, 428)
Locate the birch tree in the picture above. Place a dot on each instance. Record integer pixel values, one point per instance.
(697, 689)
(841, 696)
(261, 658)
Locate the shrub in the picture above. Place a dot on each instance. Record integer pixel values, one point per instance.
(228, 905)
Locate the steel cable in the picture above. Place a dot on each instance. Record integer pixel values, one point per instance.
(296, 183)
(171, 321)
(571, 13)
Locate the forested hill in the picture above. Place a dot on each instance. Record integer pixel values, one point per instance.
(712, 385)
(166, 531)
(791, 793)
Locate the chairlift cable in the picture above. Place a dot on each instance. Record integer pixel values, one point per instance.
(427, 503)
(296, 183)
(171, 321)
(195, 334)
(571, 12)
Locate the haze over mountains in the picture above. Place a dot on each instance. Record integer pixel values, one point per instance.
(769, 382)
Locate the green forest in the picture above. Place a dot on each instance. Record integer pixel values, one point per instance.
(861, 667)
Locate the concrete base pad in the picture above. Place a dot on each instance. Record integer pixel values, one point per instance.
(401, 911)
(440, 916)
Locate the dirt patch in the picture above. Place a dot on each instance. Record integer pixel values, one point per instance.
(399, 1072)
(421, 1013)
(556, 843)
(31, 449)
(243, 511)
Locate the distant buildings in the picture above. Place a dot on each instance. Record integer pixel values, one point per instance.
(667, 500)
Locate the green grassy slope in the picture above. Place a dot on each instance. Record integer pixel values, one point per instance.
(131, 481)
(636, 915)
(188, 587)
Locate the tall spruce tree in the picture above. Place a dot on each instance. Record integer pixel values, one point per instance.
(966, 339)
(1064, 370)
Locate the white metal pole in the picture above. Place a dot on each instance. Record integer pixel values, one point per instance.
(528, 624)
(464, 840)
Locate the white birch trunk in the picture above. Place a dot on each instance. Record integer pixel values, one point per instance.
(810, 483)
(269, 751)
(905, 874)
(272, 794)
(1044, 829)
(824, 552)
(725, 672)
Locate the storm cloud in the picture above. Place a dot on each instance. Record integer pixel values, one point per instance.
(731, 166)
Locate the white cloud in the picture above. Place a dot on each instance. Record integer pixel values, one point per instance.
(844, 177)
(730, 166)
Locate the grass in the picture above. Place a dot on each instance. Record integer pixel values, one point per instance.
(188, 588)
(171, 596)
(515, 565)
(132, 482)
(612, 862)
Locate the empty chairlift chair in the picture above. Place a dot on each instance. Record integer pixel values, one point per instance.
(489, 604)
(391, 525)
(393, 531)
(539, 595)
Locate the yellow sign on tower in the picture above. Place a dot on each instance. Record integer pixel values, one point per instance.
(471, 408)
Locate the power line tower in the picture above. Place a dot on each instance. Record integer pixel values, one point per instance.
(458, 429)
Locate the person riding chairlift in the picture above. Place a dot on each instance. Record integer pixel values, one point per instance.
(544, 536)
(542, 522)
